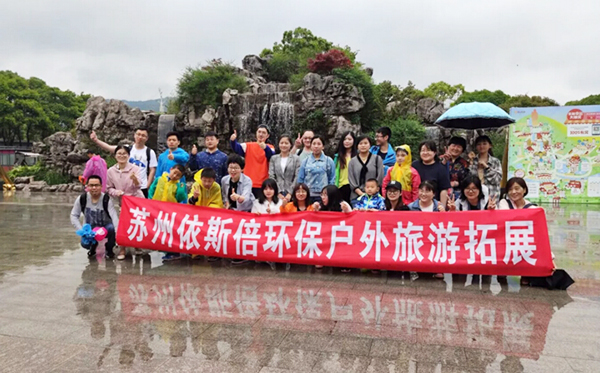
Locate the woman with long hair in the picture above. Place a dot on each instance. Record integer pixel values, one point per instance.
(393, 197)
(363, 167)
(283, 168)
(268, 201)
(346, 150)
(300, 200)
(487, 167)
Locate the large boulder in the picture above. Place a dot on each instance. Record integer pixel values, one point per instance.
(337, 126)
(23, 180)
(333, 98)
(255, 64)
(429, 110)
(114, 122)
(55, 150)
(37, 186)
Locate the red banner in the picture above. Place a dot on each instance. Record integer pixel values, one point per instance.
(509, 242)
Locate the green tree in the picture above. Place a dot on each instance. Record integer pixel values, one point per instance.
(443, 91)
(497, 97)
(527, 101)
(288, 59)
(404, 99)
(589, 100)
(31, 110)
(405, 131)
(204, 86)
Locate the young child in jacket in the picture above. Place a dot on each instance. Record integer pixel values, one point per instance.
(169, 187)
(205, 191)
(371, 200)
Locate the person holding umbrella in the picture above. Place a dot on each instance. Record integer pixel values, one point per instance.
(487, 167)
(458, 167)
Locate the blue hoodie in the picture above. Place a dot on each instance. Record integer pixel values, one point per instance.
(180, 156)
(414, 206)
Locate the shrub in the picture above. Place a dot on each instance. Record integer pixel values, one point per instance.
(314, 121)
(498, 142)
(54, 178)
(324, 63)
(406, 131)
(281, 67)
(204, 86)
(40, 173)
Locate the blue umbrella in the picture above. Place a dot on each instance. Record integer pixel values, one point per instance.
(474, 115)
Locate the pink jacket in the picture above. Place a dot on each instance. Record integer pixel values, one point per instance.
(121, 180)
(408, 196)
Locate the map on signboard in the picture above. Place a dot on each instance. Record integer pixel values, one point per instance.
(556, 150)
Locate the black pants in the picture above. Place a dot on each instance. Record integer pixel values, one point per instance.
(145, 191)
(345, 190)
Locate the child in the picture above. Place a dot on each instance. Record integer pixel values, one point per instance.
(371, 200)
(169, 187)
(403, 173)
(268, 202)
(237, 187)
(205, 191)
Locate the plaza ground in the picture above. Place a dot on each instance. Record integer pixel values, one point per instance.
(60, 312)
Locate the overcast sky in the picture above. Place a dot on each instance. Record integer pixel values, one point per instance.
(130, 48)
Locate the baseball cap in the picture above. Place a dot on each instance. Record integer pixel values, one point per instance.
(394, 185)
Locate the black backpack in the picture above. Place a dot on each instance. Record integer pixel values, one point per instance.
(83, 202)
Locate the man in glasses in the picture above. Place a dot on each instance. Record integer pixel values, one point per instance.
(98, 211)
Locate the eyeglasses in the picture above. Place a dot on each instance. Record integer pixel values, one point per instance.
(390, 191)
(234, 168)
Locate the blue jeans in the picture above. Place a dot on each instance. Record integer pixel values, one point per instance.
(110, 239)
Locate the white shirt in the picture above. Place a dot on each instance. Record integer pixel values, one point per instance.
(261, 208)
(428, 208)
(283, 162)
(138, 158)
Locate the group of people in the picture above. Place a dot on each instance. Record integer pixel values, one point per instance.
(363, 175)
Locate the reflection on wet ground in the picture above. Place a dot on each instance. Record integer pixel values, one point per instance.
(60, 312)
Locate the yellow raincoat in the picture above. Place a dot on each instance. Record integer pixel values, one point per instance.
(167, 190)
(208, 197)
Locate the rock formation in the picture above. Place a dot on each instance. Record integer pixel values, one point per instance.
(284, 109)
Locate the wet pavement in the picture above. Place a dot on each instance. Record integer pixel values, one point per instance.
(60, 312)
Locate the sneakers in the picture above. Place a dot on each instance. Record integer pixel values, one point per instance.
(239, 261)
(171, 256)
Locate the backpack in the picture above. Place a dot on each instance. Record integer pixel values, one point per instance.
(83, 202)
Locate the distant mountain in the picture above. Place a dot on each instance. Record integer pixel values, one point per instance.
(153, 105)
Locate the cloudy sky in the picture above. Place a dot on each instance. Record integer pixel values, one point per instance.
(130, 48)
